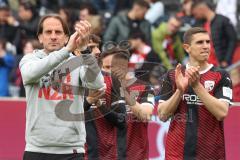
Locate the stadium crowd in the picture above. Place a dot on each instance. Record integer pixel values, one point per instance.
(154, 28)
(130, 45)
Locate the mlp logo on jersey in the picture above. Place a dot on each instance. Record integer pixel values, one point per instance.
(209, 85)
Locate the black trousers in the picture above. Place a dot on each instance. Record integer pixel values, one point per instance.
(46, 156)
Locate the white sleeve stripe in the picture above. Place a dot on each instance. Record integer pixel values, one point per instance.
(118, 102)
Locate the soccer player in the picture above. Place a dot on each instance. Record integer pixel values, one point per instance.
(139, 99)
(105, 116)
(196, 97)
(54, 129)
(116, 134)
(93, 44)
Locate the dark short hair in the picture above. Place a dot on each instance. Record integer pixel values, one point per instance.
(187, 37)
(94, 38)
(56, 16)
(208, 3)
(88, 6)
(137, 35)
(121, 55)
(27, 6)
(113, 51)
(141, 3)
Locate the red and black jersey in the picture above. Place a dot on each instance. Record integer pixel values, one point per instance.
(105, 125)
(194, 132)
(137, 130)
(120, 135)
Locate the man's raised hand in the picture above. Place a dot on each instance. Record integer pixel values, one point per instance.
(83, 28)
(80, 38)
(181, 80)
(192, 73)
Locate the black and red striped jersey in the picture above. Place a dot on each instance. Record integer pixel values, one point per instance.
(120, 135)
(194, 132)
(137, 130)
(105, 125)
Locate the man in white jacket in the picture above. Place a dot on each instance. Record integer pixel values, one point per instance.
(54, 80)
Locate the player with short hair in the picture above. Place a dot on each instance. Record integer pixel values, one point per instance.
(197, 98)
(139, 97)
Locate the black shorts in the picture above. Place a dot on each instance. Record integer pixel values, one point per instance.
(46, 156)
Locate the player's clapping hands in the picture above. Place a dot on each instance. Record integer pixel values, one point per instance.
(80, 37)
(190, 78)
(94, 96)
(181, 80)
(192, 73)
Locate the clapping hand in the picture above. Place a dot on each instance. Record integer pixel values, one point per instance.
(181, 80)
(80, 38)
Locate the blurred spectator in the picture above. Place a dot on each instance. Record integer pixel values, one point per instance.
(27, 19)
(223, 34)
(86, 10)
(141, 56)
(26, 23)
(17, 88)
(74, 4)
(49, 5)
(167, 43)
(155, 11)
(123, 5)
(3, 2)
(228, 8)
(93, 45)
(89, 13)
(156, 75)
(13, 5)
(107, 6)
(126, 23)
(186, 8)
(6, 31)
(68, 15)
(188, 20)
(6, 64)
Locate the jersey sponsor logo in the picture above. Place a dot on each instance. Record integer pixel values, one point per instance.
(227, 92)
(192, 99)
(209, 85)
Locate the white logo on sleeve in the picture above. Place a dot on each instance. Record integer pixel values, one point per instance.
(228, 79)
(227, 92)
(209, 85)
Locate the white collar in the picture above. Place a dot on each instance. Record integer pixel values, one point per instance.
(204, 71)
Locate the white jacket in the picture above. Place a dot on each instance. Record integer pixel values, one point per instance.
(54, 117)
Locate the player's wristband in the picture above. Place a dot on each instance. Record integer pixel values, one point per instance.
(86, 104)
